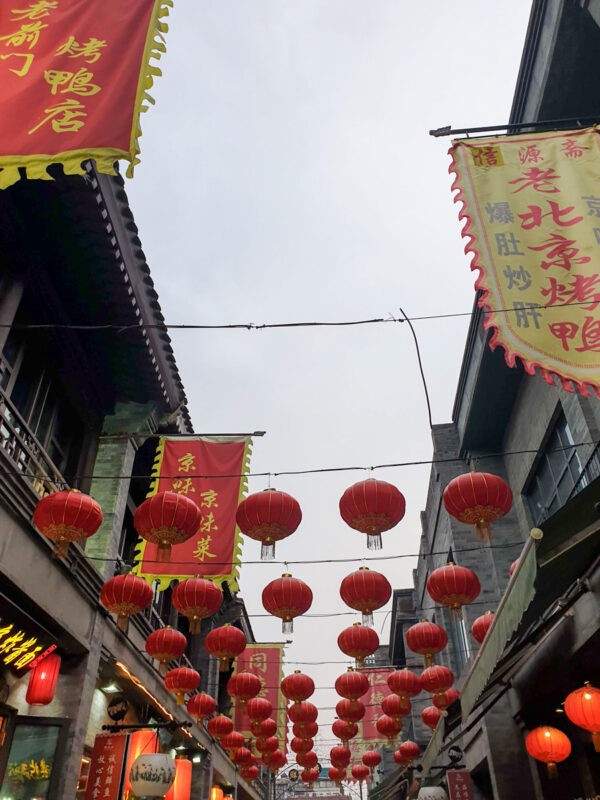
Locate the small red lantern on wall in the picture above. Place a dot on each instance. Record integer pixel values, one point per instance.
(225, 643)
(166, 644)
(180, 681)
(268, 517)
(165, 519)
(352, 684)
(481, 626)
(197, 599)
(426, 639)
(232, 741)
(453, 586)
(42, 681)
(365, 590)
(182, 786)
(297, 687)
(431, 716)
(582, 707)
(358, 641)
(125, 595)
(242, 756)
(201, 706)
(372, 507)
(478, 498)
(219, 726)
(66, 517)
(287, 598)
(548, 745)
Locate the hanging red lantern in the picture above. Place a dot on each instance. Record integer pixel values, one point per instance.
(268, 517)
(444, 699)
(232, 741)
(352, 684)
(365, 590)
(298, 745)
(165, 519)
(125, 595)
(431, 716)
(258, 709)
(371, 759)
(250, 773)
(350, 710)
(297, 687)
(305, 730)
(164, 645)
(307, 760)
(340, 756)
(358, 641)
(372, 507)
(388, 727)
(244, 686)
(225, 643)
(548, 745)
(277, 761)
(404, 683)
(360, 773)
(582, 707)
(242, 757)
(400, 759)
(219, 726)
(263, 727)
(453, 586)
(426, 639)
(197, 599)
(337, 775)
(396, 707)
(287, 598)
(344, 731)
(437, 679)
(201, 706)
(182, 785)
(42, 681)
(180, 681)
(309, 776)
(268, 745)
(409, 750)
(303, 712)
(481, 626)
(478, 498)
(66, 517)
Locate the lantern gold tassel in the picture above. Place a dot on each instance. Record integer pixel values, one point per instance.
(552, 770)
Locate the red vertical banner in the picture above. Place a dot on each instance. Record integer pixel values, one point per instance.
(106, 767)
(378, 690)
(460, 784)
(265, 661)
(211, 472)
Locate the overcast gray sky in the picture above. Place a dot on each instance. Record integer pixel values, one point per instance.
(287, 174)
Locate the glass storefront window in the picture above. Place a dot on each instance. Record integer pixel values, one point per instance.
(30, 762)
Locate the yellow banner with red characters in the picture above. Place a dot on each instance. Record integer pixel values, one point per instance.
(74, 76)
(531, 212)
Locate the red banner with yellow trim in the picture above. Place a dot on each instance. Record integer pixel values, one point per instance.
(531, 212)
(74, 76)
(266, 662)
(210, 471)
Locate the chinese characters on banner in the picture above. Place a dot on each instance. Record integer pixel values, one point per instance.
(531, 206)
(265, 661)
(106, 767)
(368, 735)
(73, 81)
(460, 785)
(208, 471)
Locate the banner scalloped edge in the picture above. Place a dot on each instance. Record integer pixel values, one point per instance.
(569, 383)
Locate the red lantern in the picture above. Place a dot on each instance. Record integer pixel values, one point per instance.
(298, 745)
(307, 760)
(358, 642)
(181, 681)
(305, 730)
(437, 679)
(200, 706)
(404, 683)
(453, 586)
(396, 707)
(388, 727)
(444, 699)
(340, 756)
(66, 517)
(303, 712)
(263, 728)
(400, 759)
(297, 687)
(232, 741)
(409, 750)
(268, 745)
(268, 517)
(337, 775)
(344, 730)
(219, 726)
(365, 590)
(242, 756)
(352, 685)
(309, 776)
(258, 709)
(481, 626)
(350, 710)
(431, 716)
(197, 599)
(42, 681)
(277, 760)
(125, 595)
(371, 759)
(225, 643)
(244, 686)
(548, 745)
(372, 507)
(250, 773)
(165, 519)
(479, 499)
(182, 785)
(166, 644)
(287, 598)
(360, 773)
(582, 707)
(426, 639)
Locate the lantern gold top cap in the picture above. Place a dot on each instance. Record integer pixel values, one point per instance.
(286, 575)
(364, 568)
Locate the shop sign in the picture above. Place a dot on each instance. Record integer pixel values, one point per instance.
(22, 643)
(460, 785)
(106, 767)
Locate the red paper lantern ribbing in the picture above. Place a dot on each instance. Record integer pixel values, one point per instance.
(360, 772)
(358, 641)
(287, 598)
(42, 681)
(264, 728)
(352, 684)
(481, 626)
(219, 726)
(444, 699)
(201, 706)
(337, 775)
(372, 507)
(166, 644)
(244, 686)
(479, 499)
(268, 745)
(304, 712)
(437, 679)
(165, 519)
(340, 756)
(371, 759)
(250, 773)
(242, 756)
(66, 517)
(548, 745)
(297, 686)
(453, 586)
(180, 681)
(298, 745)
(344, 731)
(309, 776)
(582, 707)
(307, 760)
(409, 750)
(400, 759)
(431, 716)
(426, 639)
(258, 709)
(225, 643)
(125, 595)
(388, 727)
(350, 710)
(268, 517)
(232, 741)
(197, 599)
(305, 730)
(404, 683)
(365, 590)
(396, 707)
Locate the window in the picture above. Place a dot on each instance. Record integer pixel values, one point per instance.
(556, 475)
